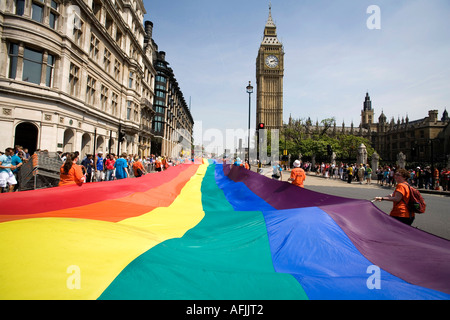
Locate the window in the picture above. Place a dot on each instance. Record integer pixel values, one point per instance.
(138, 84)
(32, 66)
(90, 91)
(20, 7)
(93, 49)
(130, 80)
(78, 30)
(128, 110)
(54, 14)
(104, 98)
(114, 103)
(96, 8)
(49, 70)
(37, 11)
(109, 24)
(117, 67)
(107, 60)
(158, 123)
(74, 78)
(160, 94)
(13, 60)
(119, 37)
(161, 79)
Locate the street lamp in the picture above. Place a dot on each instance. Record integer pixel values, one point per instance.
(249, 91)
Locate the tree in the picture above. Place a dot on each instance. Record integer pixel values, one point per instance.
(300, 137)
(349, 145)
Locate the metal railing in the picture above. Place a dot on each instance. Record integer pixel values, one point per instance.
(41, 171)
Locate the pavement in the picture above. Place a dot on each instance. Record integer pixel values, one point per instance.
(318, 180)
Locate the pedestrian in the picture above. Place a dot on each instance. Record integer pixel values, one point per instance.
(138, 167)
(428, 178)
(158, 164)
(350, 174)
(7, 179)
(298, 175)
(445, 179)
(360, 173)
(17, 161)
(71, 172)
(165, 163)
(368, 174)
(400, 198)
(386, 176)
(88, 165)
(436, 179)
(391, 177)
(109, 164)
(276, 171)
(380, 175)
(121, 166)
(100, 167)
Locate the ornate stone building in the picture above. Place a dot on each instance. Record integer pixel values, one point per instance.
(421, 141)
(78, 75)
(269, 78)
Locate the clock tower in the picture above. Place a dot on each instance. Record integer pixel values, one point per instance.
(269, 78)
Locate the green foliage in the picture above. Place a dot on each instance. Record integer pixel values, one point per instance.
(301, 137)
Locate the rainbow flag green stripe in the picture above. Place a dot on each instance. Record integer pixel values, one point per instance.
(226, 256)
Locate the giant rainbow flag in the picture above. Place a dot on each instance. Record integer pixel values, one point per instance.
(209, 231)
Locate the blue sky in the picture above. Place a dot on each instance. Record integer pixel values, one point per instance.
(331, 57)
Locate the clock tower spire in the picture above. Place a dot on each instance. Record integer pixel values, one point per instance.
(269, 78)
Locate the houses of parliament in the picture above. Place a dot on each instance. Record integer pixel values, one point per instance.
(422, 141)
(425, 140)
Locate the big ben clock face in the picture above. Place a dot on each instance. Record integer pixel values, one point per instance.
(272, 61)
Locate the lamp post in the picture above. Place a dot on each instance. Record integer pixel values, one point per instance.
(249, 91)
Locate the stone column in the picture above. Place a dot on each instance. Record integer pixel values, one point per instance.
(375, 163)
(362, 154)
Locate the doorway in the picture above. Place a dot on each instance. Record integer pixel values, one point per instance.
(26, 135)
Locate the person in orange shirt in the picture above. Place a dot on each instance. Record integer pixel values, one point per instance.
(400, 198)
(164, 163)
(298, 175)
(138, 168)
(70, 172)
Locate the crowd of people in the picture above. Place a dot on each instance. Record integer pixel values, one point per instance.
(10, 163)
(113, 167)
(110, 167)
(419, 177)
(76, 170)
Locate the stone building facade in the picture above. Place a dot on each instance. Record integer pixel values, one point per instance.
(78, 75)
(421, 140)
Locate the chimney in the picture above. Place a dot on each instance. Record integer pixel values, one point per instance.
(433, 115)
(148, 31)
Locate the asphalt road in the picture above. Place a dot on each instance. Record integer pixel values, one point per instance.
(436, 219)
